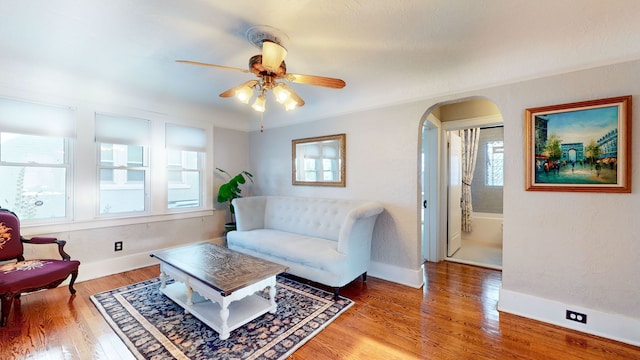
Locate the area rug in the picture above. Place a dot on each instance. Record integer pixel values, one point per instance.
(154, 327)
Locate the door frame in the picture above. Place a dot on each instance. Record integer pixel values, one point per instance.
(429, 192)
(454, 193)
(434, 242)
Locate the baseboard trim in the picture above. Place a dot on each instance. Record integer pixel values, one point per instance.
(611, 326)
(96, 269)
(404, 276)
(93, 270)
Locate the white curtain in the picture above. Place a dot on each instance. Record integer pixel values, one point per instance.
(469, 154)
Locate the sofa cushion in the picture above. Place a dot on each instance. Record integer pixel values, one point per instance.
(305, 250)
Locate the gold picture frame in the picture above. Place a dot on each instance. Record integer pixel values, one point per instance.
(319, 161)
(579, 147)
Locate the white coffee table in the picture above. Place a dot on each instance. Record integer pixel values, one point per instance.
(218, 285)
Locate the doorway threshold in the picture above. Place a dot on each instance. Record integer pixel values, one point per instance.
(474, 263)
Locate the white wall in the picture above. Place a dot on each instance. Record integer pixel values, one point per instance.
(381, 165)
(561, 250)
(231, 148)
(575, 251)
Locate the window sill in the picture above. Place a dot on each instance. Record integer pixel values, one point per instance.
(37, 229)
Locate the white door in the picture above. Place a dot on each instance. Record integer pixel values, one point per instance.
(455, 194)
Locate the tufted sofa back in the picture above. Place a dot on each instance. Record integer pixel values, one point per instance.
(315, 217)
(307, 216)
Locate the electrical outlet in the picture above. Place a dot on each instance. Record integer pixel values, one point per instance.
(117, 246)
(576, 316)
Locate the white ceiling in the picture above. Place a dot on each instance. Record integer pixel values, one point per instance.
(388, 52)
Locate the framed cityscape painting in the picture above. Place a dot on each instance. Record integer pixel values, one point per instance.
(583, 146)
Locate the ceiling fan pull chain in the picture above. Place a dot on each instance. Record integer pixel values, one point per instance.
(262, 122)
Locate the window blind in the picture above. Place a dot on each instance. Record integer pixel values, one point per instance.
(180, 137)
(122, 130)
(23, 117)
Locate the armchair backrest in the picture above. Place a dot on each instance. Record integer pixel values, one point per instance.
(10, 244)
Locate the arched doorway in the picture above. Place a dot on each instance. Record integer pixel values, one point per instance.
(483, 244)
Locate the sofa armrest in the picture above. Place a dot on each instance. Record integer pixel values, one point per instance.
(249, 212)
(356, 231)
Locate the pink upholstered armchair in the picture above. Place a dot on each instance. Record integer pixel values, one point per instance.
(22, 276)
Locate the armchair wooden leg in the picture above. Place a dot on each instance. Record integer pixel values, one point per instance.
(74, 276)
(364, 276)
(7, 301)
(336, 293)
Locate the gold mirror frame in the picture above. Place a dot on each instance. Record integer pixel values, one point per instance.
(316, 151)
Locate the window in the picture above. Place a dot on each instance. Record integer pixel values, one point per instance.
(185, 164)
(495, 163)
(321, 161)
(35, 159)
(122, 184)
(310, 169)
(106, 159)
(329, 167)
(183, 178)
(122, 164)
(135, 158)
(34, 175)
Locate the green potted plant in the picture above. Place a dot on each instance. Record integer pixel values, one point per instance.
(231, 190)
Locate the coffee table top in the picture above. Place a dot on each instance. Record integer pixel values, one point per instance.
(223, 269)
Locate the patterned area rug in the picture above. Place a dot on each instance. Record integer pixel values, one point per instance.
(154, 327)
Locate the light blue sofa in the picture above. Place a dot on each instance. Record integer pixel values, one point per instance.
(327, 241)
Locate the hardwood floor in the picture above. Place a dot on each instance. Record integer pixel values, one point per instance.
(453, 317)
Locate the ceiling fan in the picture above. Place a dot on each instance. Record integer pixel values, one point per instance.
(269, 67)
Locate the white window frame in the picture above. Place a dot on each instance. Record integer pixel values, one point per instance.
(109, 130)
(66, 165)
(183, 183)
(123, 183)
(489, 164)
(39, 119)
(183, 138)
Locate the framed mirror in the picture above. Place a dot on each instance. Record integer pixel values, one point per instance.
(319, 161)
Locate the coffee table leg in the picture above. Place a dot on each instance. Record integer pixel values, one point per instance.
(224, 316)
(189, 295)
(272, 297)
(163, 279)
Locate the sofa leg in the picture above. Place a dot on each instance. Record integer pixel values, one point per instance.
(364, 276)
(336, 293)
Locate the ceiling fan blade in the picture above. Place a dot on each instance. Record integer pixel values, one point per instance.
(231, 92)
(316, 80)
(212, 65)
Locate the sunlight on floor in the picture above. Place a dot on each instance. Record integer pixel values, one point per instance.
(479, 253)
(367, 348)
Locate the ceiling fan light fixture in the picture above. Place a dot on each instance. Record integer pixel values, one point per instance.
(281, 94)
(269, 67)
(244, 93)
(272, 55)
(290, 104)
(259, 104)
